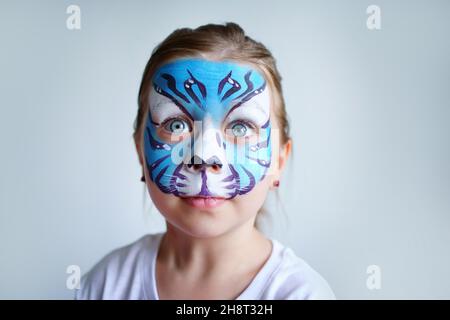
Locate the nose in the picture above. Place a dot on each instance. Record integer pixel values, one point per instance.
(197, 163)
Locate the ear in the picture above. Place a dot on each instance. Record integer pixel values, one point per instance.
(285, 152)
(283, 156)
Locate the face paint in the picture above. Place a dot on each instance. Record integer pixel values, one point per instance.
(208, 128)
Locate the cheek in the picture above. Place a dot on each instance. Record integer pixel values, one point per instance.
(158, 197)
(250, 203)
(251, 157)
(167, 204)
(162, 159)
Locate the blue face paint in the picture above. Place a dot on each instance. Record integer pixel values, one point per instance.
(208, 128)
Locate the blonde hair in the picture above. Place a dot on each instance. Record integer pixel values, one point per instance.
(220, 42)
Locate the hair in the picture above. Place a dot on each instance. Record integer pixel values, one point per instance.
(214, 42)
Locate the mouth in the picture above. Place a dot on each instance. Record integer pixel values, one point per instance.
(202, 202)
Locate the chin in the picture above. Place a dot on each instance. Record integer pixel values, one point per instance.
(200, 223)
(200, 217)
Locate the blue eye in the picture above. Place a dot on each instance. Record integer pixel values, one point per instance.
(241, 129)
(177, 126)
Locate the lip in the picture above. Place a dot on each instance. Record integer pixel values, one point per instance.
(204, 202)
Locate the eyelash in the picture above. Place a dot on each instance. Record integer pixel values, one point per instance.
(168, 120)
(250, 124)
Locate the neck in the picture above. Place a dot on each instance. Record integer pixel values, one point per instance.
(185, 252)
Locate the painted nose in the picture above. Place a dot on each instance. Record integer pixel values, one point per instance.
(198, 164)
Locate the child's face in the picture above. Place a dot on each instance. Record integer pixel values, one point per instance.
(207, 140)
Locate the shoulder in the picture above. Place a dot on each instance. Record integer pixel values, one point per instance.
(118, 274)
(295, 279)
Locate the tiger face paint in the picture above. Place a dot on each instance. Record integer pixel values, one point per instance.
(208, 128)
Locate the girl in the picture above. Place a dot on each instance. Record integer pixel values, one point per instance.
(212, 138)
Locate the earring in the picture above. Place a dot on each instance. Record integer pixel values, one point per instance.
(143, 178)
(276, 183)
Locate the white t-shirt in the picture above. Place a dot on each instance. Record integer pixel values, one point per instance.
(129, 273)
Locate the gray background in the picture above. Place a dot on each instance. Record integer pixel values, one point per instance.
(369, 182)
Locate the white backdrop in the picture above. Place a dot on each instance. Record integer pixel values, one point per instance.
(369, 182)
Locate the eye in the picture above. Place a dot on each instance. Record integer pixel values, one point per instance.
(177, 126)
(241, 129)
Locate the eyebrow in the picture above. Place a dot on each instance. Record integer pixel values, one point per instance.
(246, 98)
(255, 106)
(173, 99)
